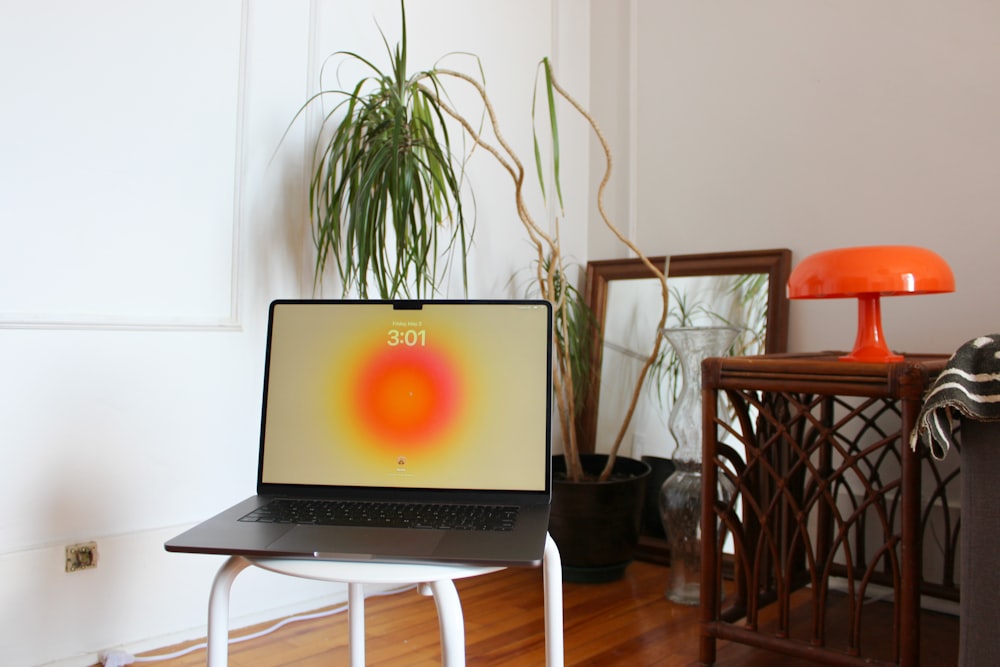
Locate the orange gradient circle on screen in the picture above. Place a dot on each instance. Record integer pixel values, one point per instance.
(407, 396)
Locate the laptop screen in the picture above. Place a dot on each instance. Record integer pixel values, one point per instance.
(428, 395)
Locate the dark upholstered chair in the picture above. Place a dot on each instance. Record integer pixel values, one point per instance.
(980, 544)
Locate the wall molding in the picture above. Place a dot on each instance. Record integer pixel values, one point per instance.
(229, 321)
(633, 122)
(111, 323)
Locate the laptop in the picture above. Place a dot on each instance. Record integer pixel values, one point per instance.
(399, 431)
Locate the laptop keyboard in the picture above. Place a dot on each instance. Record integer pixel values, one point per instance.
(386, 514)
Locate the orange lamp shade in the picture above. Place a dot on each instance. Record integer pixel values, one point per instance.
(868, 273)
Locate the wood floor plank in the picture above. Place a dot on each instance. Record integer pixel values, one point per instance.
(627, 622)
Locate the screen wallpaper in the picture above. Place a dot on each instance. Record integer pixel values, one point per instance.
(449, 396)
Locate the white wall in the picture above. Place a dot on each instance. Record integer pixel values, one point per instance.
(143, 229)
(814, 125)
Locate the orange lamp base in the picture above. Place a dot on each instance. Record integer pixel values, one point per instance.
(870, 345)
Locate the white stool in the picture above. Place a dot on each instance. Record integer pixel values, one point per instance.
(433, 579)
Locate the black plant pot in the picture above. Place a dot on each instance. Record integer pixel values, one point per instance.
(596, 524)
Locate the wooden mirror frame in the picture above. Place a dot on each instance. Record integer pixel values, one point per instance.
(776, 263)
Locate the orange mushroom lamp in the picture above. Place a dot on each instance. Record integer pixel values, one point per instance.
(868, 273)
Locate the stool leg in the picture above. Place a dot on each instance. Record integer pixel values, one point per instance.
(218, 610)
(449, 609)
(552, 574)
(356, 624)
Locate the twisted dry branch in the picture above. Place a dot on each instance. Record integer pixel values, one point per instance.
(549, 272)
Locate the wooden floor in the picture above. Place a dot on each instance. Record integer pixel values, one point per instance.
(628, 622)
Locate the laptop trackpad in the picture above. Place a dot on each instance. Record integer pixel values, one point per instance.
(359, 543)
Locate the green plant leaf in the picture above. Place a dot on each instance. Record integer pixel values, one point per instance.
(546, 67)
(385, 183)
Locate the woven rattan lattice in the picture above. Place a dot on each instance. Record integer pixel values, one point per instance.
(836, 526)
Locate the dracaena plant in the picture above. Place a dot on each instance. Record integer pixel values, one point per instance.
(385, 194)
(385, 182)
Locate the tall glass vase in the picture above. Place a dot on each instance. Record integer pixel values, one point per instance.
(680, 495)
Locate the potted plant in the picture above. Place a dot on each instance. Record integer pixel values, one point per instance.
(385, 192)
(597, 499)
(579, 477)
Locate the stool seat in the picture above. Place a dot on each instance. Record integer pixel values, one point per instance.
(367, 572)
(433, 579)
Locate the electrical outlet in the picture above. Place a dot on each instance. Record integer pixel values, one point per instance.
(81, 556)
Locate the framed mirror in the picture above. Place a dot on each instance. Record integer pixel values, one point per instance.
(745, 289)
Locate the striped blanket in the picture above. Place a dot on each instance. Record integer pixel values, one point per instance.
(969, 383)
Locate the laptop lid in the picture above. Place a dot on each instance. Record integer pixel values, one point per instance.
(407, 398)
